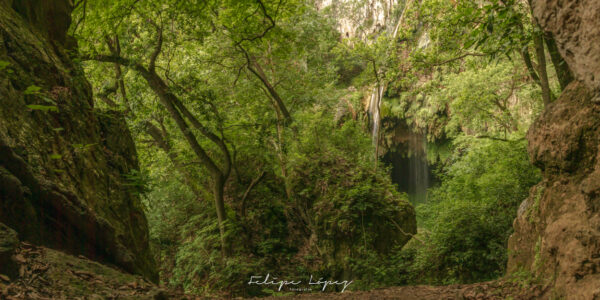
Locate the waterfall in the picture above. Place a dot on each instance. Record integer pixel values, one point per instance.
(418, 168)
(410, 169)
(374, 107)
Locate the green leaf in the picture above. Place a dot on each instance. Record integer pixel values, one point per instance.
(49, 100)
(4, 65)
(43, 107)
(55, 156)
(32, 89)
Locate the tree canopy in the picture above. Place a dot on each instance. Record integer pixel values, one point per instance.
(253, 121)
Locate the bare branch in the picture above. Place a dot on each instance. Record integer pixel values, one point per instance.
(497, 138)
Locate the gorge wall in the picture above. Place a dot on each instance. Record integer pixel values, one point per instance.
(557, 231)
(64, 166)
(358, 19)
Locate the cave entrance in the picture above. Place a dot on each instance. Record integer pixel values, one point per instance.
(410, 170)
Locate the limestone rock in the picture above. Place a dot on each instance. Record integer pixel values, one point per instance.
(557, 236)
(575, 26)
(63, 164)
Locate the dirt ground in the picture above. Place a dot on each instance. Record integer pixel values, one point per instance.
(49, 274)
(486, 290)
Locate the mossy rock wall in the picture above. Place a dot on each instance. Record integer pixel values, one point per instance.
(63, 165)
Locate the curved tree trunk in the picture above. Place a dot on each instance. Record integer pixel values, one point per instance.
(538, 41)
(563, 72)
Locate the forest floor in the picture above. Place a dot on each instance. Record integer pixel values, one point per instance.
(485, 290)
(49, 274)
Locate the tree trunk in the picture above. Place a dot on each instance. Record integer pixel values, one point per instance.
(257, 70)
(219, 186)
(282, 156)
(171, 103)
(168, 100)
(563, 72)
(538, 42)
(527, 60)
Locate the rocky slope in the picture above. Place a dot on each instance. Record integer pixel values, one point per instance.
(65, 168)
(45, 273)
(557, 232)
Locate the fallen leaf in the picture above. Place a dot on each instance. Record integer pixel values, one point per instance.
(20, 259)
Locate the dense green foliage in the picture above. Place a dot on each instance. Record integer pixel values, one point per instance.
(465, 225)
(342, 211)
(253, 123)
(468, 220)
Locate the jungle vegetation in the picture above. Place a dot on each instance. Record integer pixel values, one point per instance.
(254, 132)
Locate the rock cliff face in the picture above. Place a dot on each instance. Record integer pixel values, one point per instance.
(356, 21)
(557, 231)
(63, 165)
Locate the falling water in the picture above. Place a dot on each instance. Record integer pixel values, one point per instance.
(418, 169)
(412, 170)
(374, 107)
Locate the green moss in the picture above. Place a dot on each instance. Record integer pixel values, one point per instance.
(524, 278)
(534, 210)
(46, 112)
